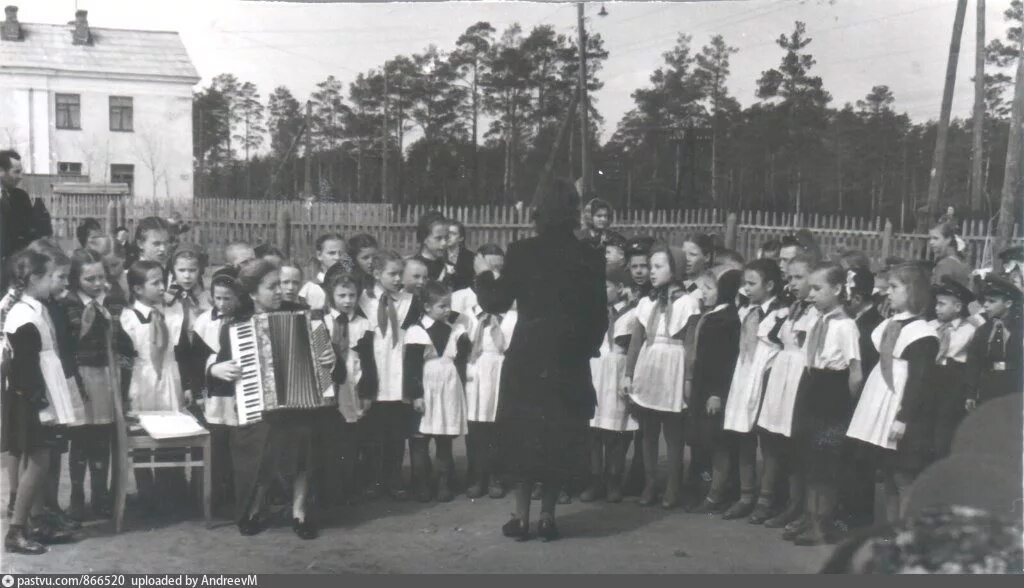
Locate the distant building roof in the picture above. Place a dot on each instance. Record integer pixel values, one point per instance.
(112, 53)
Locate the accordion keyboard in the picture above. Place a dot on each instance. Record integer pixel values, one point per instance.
(249, 386)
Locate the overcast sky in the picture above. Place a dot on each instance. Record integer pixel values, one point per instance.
(857, 43)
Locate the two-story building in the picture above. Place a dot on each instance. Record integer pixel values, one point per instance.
(112, 104)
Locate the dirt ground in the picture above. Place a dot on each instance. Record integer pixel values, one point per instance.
(462, 536)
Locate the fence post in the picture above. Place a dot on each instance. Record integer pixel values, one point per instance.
(284, 231)
(111, 216)
(730, 231)
(887, 240)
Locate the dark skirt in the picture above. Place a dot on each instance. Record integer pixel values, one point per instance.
(21, 430)
(703, 431)
(820, 420)
(273, 451)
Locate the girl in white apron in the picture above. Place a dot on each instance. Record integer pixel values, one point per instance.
(491, 334)
(762, 281)
(656, 369)
(612, 426)
(776, 418)
(435, 367)
(894, 412)
(37, 396)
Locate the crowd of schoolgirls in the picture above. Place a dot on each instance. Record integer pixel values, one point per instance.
(832, 373)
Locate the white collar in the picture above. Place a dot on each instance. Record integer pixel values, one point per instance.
(320, 277)
(619, 305)
(427, 322)
(86, 299)
(837, 311)
(333, 313)
(864, 310)
(718, 308)
(144, 309)
(953, 324)
(35, 303)
(902, 316)
(379, 291)
(766, 305)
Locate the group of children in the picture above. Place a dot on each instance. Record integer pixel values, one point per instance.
(834, 373)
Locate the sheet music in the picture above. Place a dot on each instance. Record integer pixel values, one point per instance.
(170, 424)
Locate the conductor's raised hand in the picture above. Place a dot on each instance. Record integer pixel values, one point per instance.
(229, 371)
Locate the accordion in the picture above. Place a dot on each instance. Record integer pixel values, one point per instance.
(279, 357)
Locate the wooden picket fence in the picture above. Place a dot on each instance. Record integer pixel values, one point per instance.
(295, 225)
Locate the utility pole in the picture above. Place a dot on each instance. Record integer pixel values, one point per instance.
(939, 156)
(1013, 181)
(585, 171)
(977, 177)
(384, 143)
(307, 186)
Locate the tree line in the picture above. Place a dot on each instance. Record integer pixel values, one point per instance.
(476, 124)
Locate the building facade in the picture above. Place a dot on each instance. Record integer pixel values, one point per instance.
(111, 104)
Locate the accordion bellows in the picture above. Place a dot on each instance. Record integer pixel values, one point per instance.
(279, 353)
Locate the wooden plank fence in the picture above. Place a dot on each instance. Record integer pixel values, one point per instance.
(216, 222)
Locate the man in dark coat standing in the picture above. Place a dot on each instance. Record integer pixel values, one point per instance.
(547, 397)
(18, 226)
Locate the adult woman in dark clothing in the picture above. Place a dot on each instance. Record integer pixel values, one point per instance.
(547, 397)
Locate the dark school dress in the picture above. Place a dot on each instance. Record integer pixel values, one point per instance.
(435, 267)
(717, 348)
(867, 321)
(24, 395)
(547, 396)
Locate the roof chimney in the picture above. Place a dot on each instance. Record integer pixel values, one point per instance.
(81, 35)
(10, 29)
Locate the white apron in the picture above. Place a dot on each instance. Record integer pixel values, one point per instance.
(661, 366)
(608, 371)
(744, 400)
(483, 376)
(876, 410)
(444, 400)
(780, 392)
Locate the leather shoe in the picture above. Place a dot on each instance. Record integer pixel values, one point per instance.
(739, 510)
(45, 532)
(61, 520)
(708, 506)
(593, 492)
(516, 528)
(564, 498)
(795, 528)
(475, 491)
(547, 530)
(495, 489)
(648, 496)
(251, 525)
(18, 541)
(783, 518)
(761, 513)
(444, 492)
(305, 529)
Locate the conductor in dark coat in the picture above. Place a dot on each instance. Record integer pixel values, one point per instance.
(546, 396)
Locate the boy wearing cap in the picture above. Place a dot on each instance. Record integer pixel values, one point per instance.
(951, 374)
(996, 349)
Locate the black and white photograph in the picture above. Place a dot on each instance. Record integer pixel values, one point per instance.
(510, 287)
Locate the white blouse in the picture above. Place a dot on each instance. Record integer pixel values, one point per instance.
(841, 343)
(959, 339)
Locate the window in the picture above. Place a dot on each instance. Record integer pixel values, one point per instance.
(69, 111)
(123, 173)
(69, 168)
(121, 114)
